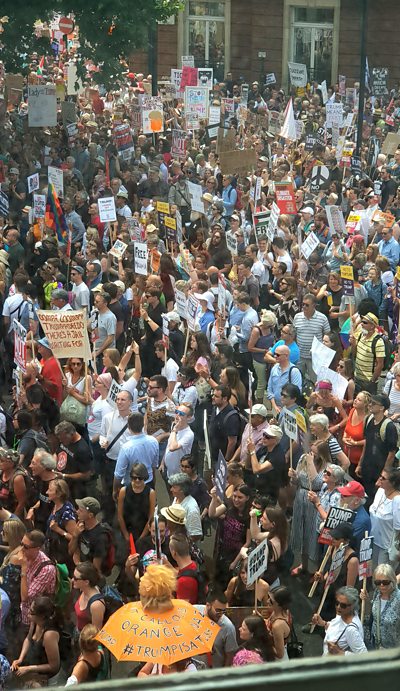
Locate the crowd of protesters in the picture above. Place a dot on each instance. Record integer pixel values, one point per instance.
(78, 470)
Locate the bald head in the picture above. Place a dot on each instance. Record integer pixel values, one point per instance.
(282, 353)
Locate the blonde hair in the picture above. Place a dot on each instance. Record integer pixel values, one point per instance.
(114, 355)
(156, 587)
(14, 530)
(87, 642)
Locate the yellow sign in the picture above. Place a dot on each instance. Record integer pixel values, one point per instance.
(347, 272)
(170, 222)
(398, 273)
(163, 207)
(301, 421)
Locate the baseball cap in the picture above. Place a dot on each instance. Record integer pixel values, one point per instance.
(120, 285)
(307, 210)
(381, 399)
(14, 171)
(90, 504)
(79, 270)
(257, 409)
(352, 489)
(273, 431)
(173, 317)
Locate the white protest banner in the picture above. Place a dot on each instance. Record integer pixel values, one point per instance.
(273, 220)
(33, 183)
(257, 189)
(192, 307)
(270, 78)
(205, 77)
(334, 114)
(232, 244)
(221, 294)
(336, 515)
(118, 249)
(290, 425)
(365, 558)
(19, 345)
(114, 390)
(178, 146)
(207, 455)
(336, 219)
(176, 76)
(107, 211)
(42, 105)
(55, 176)
(196, 194)
(324, 91)
(66, 332)
(214, 115)
(340, 147)
(221, 472)
(196, 102)
(309, 245)
(298, 74)
(335, 135)
(180, 303)
(141, 256)
(39, 205)
(321, 355)
(152, 114)
(339, 383)
(187, 60)
(257, 562)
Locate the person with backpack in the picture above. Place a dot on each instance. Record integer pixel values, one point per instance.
(16, 485)
(28, 439)
(225, 425)
(229, 194)
(38, 574)
(282, 373)
(93, 663)
(90, 606)
(380, 446)
(369, 352)
(92, 540)
(188, 579)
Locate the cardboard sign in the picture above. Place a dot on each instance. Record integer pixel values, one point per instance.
(180, 303)
(14, 88)
(192, 307)
(336, 219)
(42, 106)
(39, 206)
(232, 244)
(321, 355)
(55, 176)
(297, 74)
(187, 60)
(347, 276)
(66, 332)
(319, 178)
(365, 558)
(189, 77)
(19, 345)
(68, 112)
(196, 102)
(221, 472)
(196, 194)
(270, 78)
(33, 183)
(334, 114)
(241, 161)
(205, 77)
(336, 515)
(123, 141)
(290, 425)
(336, 565)
(309, 245)
(114, 390)
(118, 249)
(384, 218)
(179, 142)
(107, 211)
(284, 193)
(152, 114)
(391, 143)
(141, 256)
(379, 77)
(257, 562)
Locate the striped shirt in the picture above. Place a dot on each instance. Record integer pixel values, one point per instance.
(306, 329)
(365, 358)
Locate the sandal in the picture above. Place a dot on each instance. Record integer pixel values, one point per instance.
(298, 571)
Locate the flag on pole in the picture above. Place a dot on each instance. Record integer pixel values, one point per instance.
(367, 76)
(55, 218)
(288, 130)
(39, 70)
(107, 170)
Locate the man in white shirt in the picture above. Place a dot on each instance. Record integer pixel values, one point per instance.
(122, 207)
(113, 434)
(59, 300)
(180, 440)
(80, 291)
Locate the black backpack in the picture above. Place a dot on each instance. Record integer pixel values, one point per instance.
(201, 582)
(112, 599)
(242, 420)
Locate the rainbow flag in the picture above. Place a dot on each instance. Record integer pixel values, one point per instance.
(55, 218)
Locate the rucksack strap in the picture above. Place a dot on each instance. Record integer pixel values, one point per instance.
(190, 573)
(47, 562)
(95, 598)
(114, 441)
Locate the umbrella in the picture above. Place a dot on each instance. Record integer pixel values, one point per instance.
(135, 634)
(345, 333)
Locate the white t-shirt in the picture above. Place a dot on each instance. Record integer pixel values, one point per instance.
(12, 308)
(193, 520)
(81, 295)
(170, 370)
(97, 411)
(131, 386)
(172, 458)
(385, 518)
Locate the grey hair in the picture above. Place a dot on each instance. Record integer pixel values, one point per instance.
(45, 459)
(319, 419)
(65, 427)
(387, 571)
(351, 594)
(182, 480)
(337, 472)
(396, 368)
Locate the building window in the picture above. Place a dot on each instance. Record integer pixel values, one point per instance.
(206, 33)
(312, 41)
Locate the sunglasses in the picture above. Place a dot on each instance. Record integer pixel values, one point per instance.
(76, 364)
(364, 321)
(266, 436)
(180, 413)
(328, 473)
(342, 605)
(382, 582)
(136, 477)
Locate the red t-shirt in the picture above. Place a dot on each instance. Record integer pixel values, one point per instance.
(187, 588)
(51, 371)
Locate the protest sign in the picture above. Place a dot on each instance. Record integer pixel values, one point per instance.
(179, 236)
(355, 165)
(162, 207)
(310, 142)
(321, 355)
(39, 205)
(196, 194)
(141, 256)
(42, 105)
(207, 454)
(4, 204)
(33, 182)
(284, 192)
(336, 565)
(196, 102)
(342, 85)
(55, 176)
(135, 230)
(225, 139)
(123, 141)
(221, 294)
(297, 74)
(319, 178)
(178, 146)
(336, 219)
(347, 275)
(192, 307)
(386, 219)
(107, 211)
(309, 245)
(365, 558)
(258, 189)
(176, 77)
(334, 114)
(301, 421)
(353, 221)
(136, 117)
(335, 135)
(118, 249)
(188, 77)
(66, 332)
(290, 425)
(180, 303)
(324, 91)
(152, 114)
(68, 112)
(187, 60)
(339, 383)
(241, 161)
(14, 88)
(114, 390)
(261, 223)
(336, 515)
(270, 78)
(257, 562)
(345, 161)
(214, 115)
(378, 187)
(205, 77)
(379, 77)
(72, 132)
(19, 345)
(221, 472)
(273, 220)
(391, 143)
(232, 244)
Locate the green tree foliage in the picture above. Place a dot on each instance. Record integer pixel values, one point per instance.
(109, 30)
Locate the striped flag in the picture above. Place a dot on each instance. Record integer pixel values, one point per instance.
(55, 218)
(39, 70)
